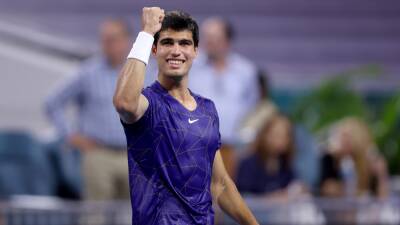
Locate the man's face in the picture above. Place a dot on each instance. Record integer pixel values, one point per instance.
(175, 52)
(215, 41)
(114, 41)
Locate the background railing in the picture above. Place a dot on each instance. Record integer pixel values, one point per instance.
(26, 210)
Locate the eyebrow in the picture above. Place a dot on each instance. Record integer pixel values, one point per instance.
(164, 40)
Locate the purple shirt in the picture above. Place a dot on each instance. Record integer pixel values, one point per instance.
(170, 153)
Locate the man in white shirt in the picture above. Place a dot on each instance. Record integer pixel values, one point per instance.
(227, 78)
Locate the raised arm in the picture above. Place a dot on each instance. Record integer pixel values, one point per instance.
(128, 100)
(225, 193)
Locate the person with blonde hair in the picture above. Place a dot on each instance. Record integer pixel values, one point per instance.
(352, 166)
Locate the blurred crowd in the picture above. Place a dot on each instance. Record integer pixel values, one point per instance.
(268, 155)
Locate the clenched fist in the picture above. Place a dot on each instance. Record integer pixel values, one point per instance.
(152, 18)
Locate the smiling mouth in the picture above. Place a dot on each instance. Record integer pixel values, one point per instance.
(175, 62)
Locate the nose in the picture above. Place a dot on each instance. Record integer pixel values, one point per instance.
(176, 50)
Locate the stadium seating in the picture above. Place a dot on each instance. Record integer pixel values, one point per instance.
(24, 166)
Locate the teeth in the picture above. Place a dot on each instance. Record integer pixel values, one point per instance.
(176, 62)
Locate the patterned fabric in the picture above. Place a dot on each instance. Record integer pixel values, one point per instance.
(170, 154)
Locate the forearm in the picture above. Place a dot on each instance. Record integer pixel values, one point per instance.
(130, 84)
(233, 204)
(127, 98)
(55, 112)
(81, 142)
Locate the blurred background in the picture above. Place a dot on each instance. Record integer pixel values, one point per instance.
(323, 76)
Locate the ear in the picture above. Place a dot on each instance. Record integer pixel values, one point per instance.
(196, 51)
(154, 49)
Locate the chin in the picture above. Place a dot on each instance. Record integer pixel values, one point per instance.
(176, 73)
(175, 76)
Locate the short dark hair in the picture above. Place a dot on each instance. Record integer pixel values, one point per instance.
(179, 21)
(229, 29)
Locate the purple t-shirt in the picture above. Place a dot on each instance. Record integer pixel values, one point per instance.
(170, 154)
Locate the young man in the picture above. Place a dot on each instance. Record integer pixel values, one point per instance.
(175, 168)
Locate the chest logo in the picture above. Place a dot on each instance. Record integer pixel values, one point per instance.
(192, 121)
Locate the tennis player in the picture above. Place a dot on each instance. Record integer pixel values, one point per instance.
(175, 167)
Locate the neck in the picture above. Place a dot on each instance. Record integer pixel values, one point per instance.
(272, 164)
(115, 63)
(176, 87)
(219, 63)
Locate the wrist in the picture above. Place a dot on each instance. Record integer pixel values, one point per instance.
(148, 31)
(141, 49)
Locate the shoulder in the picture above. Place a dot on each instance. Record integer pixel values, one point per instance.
(150, 115)
(153, 96)
(201, 98)
(92, 65)
(150, 93)
(93, 62)
(242, 63)
(205, 103)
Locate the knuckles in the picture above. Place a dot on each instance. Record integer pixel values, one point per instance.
(153, 11)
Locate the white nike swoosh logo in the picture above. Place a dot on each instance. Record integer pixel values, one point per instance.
(192, 121)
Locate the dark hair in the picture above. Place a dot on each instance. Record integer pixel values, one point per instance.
(229, 30)
(179, 21)
(263, 83)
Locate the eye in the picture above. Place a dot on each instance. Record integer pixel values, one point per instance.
(185, 42)
(167, 42)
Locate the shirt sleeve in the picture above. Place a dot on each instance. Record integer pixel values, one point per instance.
(55, 104)
(148, 118)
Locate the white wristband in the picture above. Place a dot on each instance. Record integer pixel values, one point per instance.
(142, 47)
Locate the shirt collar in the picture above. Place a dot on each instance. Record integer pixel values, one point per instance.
(158, 87)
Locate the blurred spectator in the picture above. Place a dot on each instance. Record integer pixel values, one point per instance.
(263, 111)
(306, 158)
(98, 134)
(268, 171)
(228, 79)
(352, 166)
